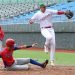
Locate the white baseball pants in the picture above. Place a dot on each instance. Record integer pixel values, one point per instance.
(49, 34)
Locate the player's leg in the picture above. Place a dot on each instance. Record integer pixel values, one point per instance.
(0, 45)
(50, 37)
(18, 66)
(45, 32)
(46, 46)
(52, 48)
(22, 61)
(15, 66)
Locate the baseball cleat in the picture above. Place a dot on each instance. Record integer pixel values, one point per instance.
(44, 64)
(52, 63)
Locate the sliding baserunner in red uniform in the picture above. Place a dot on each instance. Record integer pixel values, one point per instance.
(11, 63)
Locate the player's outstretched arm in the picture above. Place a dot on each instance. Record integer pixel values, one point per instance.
(33, 45)
(25, 46)
(69, 14)
(60, 12)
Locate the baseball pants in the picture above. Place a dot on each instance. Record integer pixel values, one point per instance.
(49, 34)
(20, 64)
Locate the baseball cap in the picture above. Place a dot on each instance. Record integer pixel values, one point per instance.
(42, 5)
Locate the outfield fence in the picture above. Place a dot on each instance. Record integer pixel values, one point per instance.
(28, 34)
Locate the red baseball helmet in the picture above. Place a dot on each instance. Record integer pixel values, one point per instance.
(10, 42)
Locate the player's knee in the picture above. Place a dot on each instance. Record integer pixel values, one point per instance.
(28, 60)
(49, 38)
(47, 44)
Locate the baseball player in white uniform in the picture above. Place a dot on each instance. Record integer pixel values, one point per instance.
(44, 16)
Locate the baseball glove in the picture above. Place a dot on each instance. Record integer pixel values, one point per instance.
(69, 14)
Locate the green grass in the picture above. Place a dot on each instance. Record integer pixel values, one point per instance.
(60, 58)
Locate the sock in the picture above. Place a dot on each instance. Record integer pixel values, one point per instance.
(35, 62)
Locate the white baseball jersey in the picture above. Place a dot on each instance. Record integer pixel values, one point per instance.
(44, 18)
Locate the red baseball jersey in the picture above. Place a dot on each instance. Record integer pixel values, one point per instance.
(1, 34)
(7, 56)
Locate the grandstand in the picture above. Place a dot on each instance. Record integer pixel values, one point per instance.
(20, 11)
(10, 8)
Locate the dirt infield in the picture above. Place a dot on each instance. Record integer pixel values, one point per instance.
(57, 70)
(49, 70)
